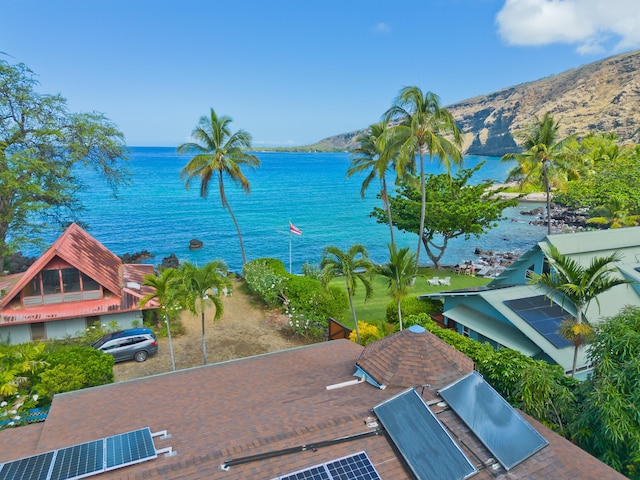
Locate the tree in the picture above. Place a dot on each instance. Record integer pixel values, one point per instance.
(354, 266)
(218, 152)
(42, 145)
(580, 286)
(545, 158)
(399, 271)
(376, 154)
(202, 286)
(164, 291)
(421, 127)
(608, 423)
(456, 209)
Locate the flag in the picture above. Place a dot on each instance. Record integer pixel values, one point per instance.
(294, 229)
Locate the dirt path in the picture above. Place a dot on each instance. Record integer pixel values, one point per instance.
(246, 328)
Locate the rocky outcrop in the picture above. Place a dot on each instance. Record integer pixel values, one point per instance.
(195, 244)
(170, 262)
(603, 96)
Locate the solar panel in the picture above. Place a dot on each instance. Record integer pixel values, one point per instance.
(79, 461)
(353, 467)
(129, 448)
(543, 315)
(507, 435)
(84, 460)
(31, 468)
(426, 446)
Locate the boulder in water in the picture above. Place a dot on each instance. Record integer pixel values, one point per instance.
(195, 244)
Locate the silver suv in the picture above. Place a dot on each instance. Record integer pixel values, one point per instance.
(133, 344)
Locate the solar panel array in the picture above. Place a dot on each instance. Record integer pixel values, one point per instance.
(353, 467)
(83, 460)
(422, 440)
(543, 315)
(507, 435)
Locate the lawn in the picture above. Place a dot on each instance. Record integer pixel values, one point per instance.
(374, 309)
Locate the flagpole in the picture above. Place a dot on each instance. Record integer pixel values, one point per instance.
(290, 251)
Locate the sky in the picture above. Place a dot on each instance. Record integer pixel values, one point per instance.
(294, 72)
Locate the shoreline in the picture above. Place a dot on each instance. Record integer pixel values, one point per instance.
(533, 197)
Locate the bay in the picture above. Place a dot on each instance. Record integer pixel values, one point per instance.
(157, 213)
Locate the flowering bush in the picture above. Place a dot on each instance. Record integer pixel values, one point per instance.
(265, 278)
(368, 333)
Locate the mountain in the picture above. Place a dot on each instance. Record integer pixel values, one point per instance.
(602, 96)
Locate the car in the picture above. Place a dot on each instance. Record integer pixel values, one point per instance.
(133, 344)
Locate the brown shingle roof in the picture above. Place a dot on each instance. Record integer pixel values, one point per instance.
(264, 404)
(413, 357)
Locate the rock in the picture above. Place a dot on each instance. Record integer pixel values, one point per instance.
(136, 257)
(170, 262)
(194, 244)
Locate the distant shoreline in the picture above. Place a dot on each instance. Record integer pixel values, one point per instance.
(533, 197)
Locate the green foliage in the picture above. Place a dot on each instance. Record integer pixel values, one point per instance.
(308, 295)
(41, 147)
(72, 368)
(608, 424)
(94, 332)
(455, 210)
(265, 278)
(411, 305)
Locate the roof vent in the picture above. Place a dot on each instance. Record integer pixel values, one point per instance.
(134, 285)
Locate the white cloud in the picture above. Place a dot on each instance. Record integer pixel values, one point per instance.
(591, 25)
(382, 27)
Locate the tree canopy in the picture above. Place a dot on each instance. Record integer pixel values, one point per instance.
(455, 209)
(43, 149)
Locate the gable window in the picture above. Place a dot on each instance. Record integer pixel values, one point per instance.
(546, 268)
(60, 285)
(530, 270)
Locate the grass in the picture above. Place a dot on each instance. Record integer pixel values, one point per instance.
(374, 309)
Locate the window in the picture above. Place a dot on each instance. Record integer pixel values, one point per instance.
(51, 282)
(546, 268)
(465, 331)
(38, 331)
(89, 283)
(70, 280)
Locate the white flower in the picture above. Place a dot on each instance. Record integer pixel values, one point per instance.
(35, 397)
(3, 404)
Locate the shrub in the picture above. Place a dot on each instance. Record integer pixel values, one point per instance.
(265, 278)
(411, 305)
(368, 333)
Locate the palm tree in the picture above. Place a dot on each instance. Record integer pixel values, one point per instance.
(544, 158)
(376, 154)
(353, 265)
(580, 286)
(202, 286)
(218, 152)
(400, 271)
(423, 127)
(164, 291)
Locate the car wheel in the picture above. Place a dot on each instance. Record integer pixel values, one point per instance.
(141, 356)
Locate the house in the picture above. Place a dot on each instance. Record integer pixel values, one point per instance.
(328, 406)
(74, 284)
(509, 312)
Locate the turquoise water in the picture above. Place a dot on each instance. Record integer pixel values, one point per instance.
(158, 214)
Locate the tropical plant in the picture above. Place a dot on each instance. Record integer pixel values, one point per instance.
(545, 158)
(608, 422)
(399, 271)
(43, 151)
(164, 291)
(422, 126)
(202, 286)
(354, 266)
(376, 154)
(456, 210)
(218, 152)
(578, 285)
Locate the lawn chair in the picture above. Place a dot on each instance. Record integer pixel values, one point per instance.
(445, 281)
(434, 281)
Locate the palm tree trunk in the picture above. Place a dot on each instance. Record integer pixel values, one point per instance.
(225, 204)
(353, 313)
(399, 314)
(423, 207)
(546, 186)
(204, 341)
(576, 347)
(173, 359)
(387, 206)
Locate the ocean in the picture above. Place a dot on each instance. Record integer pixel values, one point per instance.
(157, 213)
